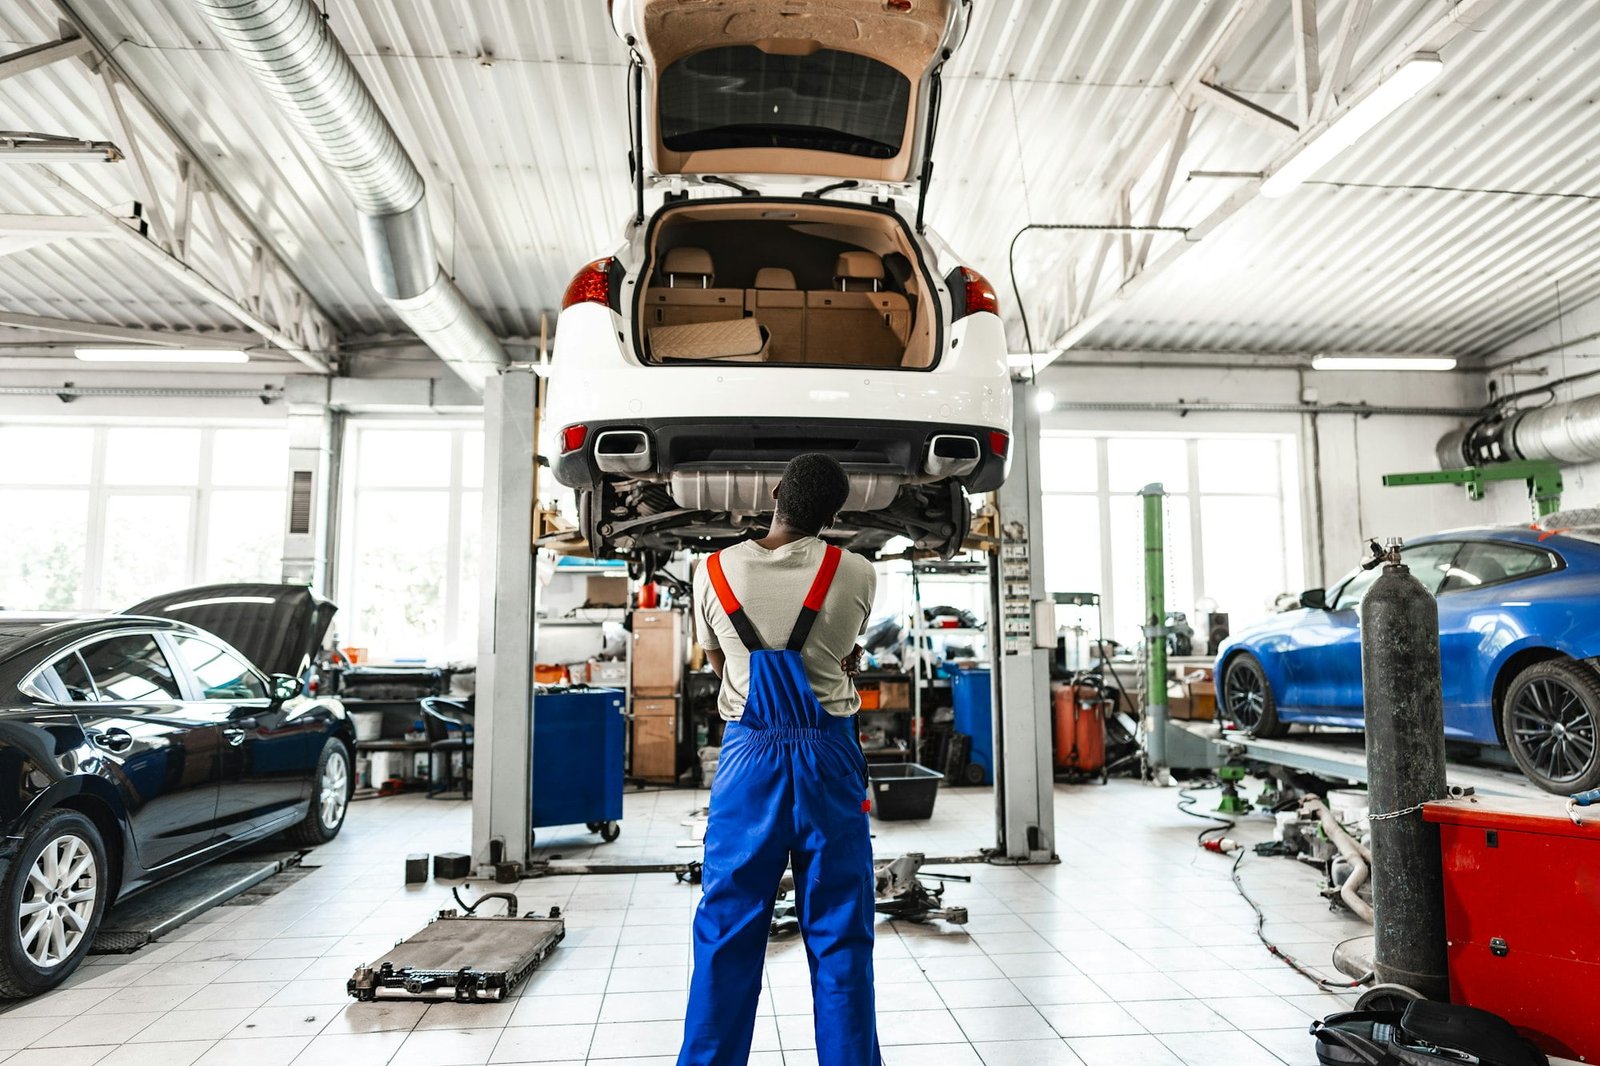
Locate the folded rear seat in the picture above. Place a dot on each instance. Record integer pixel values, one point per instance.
(686, 294)
(775, 303)
(856, 322)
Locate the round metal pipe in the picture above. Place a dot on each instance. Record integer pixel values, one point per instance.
(1405, 768)
(1155, 630)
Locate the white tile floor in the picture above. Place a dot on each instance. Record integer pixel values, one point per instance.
(1133, 951)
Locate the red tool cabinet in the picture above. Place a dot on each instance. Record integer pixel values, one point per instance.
(1522, 916)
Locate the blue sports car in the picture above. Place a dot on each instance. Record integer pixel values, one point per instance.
(1519, 637)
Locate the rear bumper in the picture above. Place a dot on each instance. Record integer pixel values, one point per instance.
(882, 447)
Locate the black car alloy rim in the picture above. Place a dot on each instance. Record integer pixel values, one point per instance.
(1553, 730)
(1246, 694)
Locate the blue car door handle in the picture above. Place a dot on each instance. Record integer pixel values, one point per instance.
(235, 735)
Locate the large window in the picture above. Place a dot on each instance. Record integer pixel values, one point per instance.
(408, 569)
(1232, 522)
(98, 517)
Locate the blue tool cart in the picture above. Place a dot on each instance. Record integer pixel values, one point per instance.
(577, 759)
(973, 700)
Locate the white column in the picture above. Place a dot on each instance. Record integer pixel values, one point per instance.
(503, 733)
(1022, 638)
(311, 497)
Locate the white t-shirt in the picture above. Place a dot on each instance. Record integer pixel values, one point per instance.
(772, 587)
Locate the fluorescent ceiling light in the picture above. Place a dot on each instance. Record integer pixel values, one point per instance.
(162, 355)
(1380, 362)
(1406, 82)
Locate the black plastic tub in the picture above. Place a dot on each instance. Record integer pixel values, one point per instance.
(903, 791)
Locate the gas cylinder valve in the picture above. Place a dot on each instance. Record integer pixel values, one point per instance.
(1388, 554)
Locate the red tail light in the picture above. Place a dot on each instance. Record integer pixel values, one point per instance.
(572, 438)
(978, 294)
(591, 285)
(999, 443)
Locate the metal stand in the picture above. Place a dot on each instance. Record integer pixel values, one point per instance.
(1155, 632)
(1021, 641)
(501, 795)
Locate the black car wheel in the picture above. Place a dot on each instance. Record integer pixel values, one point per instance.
(55, 896)
(330, 796)
(1549, 717)
(1247, 699)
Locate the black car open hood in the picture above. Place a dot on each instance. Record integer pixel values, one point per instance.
(279, 628)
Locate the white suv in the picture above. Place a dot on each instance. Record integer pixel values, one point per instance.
(776, 292)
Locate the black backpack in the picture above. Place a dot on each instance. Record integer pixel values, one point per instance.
(1425, 1034)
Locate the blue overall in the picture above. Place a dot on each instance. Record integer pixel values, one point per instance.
(790, 791)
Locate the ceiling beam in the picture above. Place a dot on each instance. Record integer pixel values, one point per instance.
(97, 331)
(1431, 37)
(51, 226)
(1254, 113)
(1345, 43)
(42, 55)
(164, 262)
(1307, 67)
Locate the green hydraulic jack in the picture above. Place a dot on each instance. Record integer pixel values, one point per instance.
(1543, 478)
(1232, 802)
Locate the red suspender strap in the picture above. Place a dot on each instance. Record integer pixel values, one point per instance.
(730, 603)
(815, 598)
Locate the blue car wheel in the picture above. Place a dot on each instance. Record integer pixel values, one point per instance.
(1247, 699)
(1550, 717)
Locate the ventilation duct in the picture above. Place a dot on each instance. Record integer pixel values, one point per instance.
(1562, 432)
(297, 59)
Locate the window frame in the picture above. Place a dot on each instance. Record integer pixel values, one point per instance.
(76, 648)
(190, 682)
(201, 494)
(346, 577)
(1560, 564)
(1289, 531)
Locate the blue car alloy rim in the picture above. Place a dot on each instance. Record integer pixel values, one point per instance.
(1245, 693)
(1553, 730)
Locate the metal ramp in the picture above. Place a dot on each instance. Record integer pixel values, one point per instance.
(135, 922)
(1342, 755)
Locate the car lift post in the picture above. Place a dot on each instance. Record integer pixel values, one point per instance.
(1155, 630)
(1543, 478)
(503, 732)
(1022, 637)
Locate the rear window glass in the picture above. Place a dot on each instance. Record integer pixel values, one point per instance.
(742, 97)
(130, 668)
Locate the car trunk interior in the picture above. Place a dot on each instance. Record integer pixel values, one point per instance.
(820, 285)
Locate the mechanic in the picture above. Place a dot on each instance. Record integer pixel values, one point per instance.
(778, 618)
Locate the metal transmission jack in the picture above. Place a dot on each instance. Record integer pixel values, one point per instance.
(1543, 478)
(899, 890)
(1232, 802)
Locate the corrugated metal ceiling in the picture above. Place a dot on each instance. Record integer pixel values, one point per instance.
(515, 113)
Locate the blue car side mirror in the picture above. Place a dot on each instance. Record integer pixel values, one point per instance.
(1315, 598)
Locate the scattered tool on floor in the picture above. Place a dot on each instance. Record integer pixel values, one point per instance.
(462, 956)
(899, 890)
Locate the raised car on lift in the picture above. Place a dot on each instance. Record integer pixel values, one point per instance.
(776, 291)
(1519, 640)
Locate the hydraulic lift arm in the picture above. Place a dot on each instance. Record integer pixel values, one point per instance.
(1543, 479)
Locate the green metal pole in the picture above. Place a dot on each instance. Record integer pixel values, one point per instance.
(1155, 630)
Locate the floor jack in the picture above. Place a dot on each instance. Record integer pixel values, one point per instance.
(899, 891)
(1232, 802)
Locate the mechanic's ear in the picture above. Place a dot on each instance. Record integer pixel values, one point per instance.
(775, 490)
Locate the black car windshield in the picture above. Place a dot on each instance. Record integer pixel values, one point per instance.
(742, 97)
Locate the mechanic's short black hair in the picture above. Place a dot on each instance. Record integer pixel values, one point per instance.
(813, 489)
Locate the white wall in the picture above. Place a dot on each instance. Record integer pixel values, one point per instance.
(1345, 454)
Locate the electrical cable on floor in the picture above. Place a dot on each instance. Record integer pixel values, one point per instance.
(1186, 804)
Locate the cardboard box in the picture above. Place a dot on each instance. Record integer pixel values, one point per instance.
(1200, 692)
(608, 673)
(606, 590)
(655, 746)
(658, 652)
(894, 695)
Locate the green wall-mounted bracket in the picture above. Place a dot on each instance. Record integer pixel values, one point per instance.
(1543, 479)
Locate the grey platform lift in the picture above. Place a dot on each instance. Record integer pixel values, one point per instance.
(1022, 622)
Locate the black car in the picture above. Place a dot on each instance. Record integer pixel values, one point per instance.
(134, 747)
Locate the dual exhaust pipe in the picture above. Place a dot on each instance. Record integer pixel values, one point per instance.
(628, 451)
